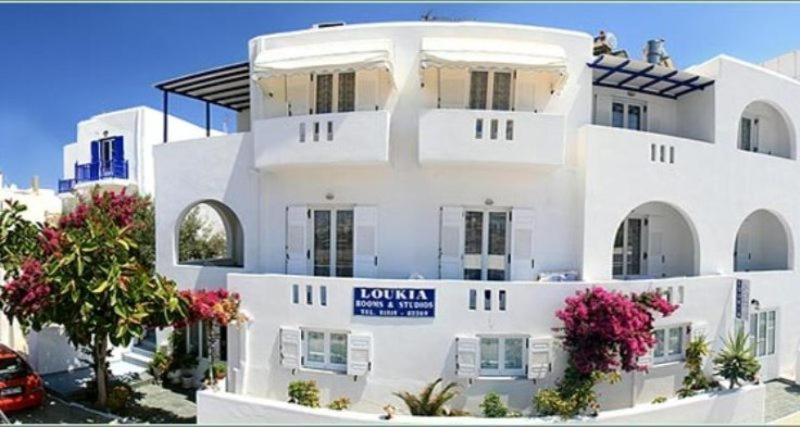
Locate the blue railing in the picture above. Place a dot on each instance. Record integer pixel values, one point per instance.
(88, 172)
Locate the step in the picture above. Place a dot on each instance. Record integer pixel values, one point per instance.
(142, 352)
(137, 358)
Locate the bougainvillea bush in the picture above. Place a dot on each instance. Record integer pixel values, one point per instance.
(85, 272)
(605, 333)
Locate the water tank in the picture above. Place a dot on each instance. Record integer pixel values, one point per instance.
(654, 51)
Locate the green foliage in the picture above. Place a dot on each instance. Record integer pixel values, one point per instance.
(119, 397)
(736, 362)
(340, 404)
(198, 240)
(430, 402)
(18, 238)
(160, 364)
(145, 235)
(573, 395)
(695, 380)
(304, 393)
(493, 407)
(220, 370)
(659, 399)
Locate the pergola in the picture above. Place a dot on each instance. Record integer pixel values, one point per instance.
(227, 86)
(643, 77)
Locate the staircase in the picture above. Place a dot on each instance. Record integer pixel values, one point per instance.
(138, 356)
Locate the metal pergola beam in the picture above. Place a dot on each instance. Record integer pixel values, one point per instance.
(633, 89)
(611, 70)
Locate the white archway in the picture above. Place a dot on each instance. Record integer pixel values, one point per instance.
(655, 240)
(208, 232)
(765, 128)
(763, 243)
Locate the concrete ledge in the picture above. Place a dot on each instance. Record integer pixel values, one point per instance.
(744, 405)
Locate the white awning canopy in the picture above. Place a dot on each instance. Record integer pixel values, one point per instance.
(324, 58)
(483, 53)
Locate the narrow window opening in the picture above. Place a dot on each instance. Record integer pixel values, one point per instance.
(478, 128)
(487, 299)
(309, 294)
(502, 300)
(295, 294)
(473, 299)
(509, 130)
(493, 130)
(302, 132)
(323, 295)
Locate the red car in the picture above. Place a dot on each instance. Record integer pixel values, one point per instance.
(20, 386)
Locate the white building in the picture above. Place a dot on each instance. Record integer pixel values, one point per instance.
(41, 205)
(478, 162)
(115, 150)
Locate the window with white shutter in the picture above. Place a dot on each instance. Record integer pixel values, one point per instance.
(522, 228)
(290, 347)
(366, 241)
(359, 353)
(297, 256)
(451, 242)
(467, 356)
(326, 350)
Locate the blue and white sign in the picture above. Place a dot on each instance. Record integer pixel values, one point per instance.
(394, 302)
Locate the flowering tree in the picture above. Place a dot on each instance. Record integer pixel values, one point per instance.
(605, 333)
(213, 308)
(87, 273)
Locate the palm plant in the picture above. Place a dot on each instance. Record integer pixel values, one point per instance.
(430, 402)
(697, 349)
(736, 361)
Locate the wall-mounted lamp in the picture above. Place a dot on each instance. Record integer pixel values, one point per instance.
(329, 196)
(756, 304)
(488, 202)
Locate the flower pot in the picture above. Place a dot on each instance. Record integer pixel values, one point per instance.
(174, 377)
(187, 381)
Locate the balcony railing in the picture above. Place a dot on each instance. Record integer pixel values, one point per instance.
(89, 172)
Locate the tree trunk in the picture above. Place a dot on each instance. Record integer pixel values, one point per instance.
(213, 337)
(100, 368)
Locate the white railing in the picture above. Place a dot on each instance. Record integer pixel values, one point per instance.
(485, 136)
(354, 138)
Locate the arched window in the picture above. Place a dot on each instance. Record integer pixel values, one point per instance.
(764, 128)
(762, 243)
(209, 233)
(654, 240)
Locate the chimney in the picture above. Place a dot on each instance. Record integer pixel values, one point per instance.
(35, 184)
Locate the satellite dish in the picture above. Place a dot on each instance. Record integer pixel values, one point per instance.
(611, 40)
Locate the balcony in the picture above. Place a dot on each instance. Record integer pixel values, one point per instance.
(96, 171)
(450, 136)
(336, 139)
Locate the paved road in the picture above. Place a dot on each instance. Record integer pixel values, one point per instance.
(56, 412)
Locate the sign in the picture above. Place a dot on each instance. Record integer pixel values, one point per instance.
(742, 299)
(394, 302)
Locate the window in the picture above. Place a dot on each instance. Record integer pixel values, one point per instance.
(628, 253)
(762, 332)
(486, 245)
(324, 350)
(748, 134)
(669, 344)
(490, 88)
(347, 92)
(333, 259)
(628, 114)
(340, 87)
(502, 356)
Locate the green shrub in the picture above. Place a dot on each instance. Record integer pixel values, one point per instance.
(493, 407)
(160, 364)
(304, 393)
(340, 404)
(573, 395)
(695, 380)
(659, 399)
(220, 370)
(119, 397)
(429, 402)
(736, 362)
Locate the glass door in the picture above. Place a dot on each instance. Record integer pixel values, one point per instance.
(333, 242)
(485, 245)
(628, 256)
(763, 335)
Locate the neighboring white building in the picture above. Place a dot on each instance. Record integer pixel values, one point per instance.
(477, 163)
(42, 205)
(115, 150)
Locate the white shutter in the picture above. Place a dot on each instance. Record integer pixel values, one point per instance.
(296, 240)
(359, 353)
(540, 357)
(366, 90)
(298, 94)
(655, 244)
(467, 356)
(365, 241)
(290, 347)
(451, 243)
(522, 226)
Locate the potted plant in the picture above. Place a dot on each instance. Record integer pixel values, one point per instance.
(736, 362)
(187, 371)
(160, 364)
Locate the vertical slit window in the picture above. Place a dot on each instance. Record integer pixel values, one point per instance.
(493, 129)
(473, 299)
(509, 130)
(316, 131)
(295, 294)
(330, 130)
(324, 99)
(652, 152)
(663, 156)
(478, 128)
(347, 92)
(487, 299)
(302, 132)
(309, 294)
(672, 154)
(323, 295)
(502, 298)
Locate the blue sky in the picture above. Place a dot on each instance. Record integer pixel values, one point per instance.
(60, 64)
